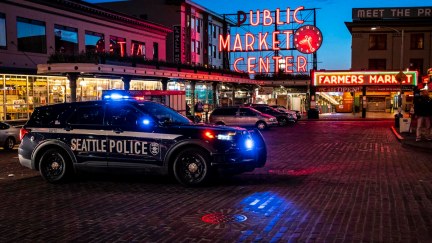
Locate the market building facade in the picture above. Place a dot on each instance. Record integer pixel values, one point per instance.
(388, 39)
(86, 47)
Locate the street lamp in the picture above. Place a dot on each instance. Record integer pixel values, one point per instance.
(400, 76)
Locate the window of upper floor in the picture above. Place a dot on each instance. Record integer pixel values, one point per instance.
(3, 39)
(66, 39)
(94, 42)
(31, 35)
(118, 46)
(377, 41)
(417, 41)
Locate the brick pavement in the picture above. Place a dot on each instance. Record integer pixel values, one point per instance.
(325, 181)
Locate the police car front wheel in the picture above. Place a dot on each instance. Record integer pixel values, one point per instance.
(54, 166)
(191, 167)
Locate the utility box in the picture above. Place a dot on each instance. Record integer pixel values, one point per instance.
(404, 124)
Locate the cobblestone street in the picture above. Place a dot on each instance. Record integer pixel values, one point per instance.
(324, 181)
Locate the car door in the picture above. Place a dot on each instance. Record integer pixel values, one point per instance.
(248, 117)
(131, 139)
(85, 132)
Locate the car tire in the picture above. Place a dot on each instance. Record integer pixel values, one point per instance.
(192, 167)
(261, 125)
(55, 166)
(283, 121)
(9, 143)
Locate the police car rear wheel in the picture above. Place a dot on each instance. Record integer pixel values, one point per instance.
(191, 167)
(54, 166)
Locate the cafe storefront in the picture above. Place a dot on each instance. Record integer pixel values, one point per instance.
(364, 91)
(20, 94)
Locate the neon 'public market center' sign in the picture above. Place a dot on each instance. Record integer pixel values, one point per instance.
(307, 40)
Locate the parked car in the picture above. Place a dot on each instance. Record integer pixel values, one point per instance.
(282, 108)
(283, 118)
(242, 117)
(9, 135)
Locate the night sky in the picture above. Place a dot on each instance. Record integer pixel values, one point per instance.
(335, 53)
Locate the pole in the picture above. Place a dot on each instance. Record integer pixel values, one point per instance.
(401, 66)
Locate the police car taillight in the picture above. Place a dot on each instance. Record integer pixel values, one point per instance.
(23, 132)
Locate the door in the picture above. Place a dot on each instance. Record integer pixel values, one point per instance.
(131, 139)
(85, 132)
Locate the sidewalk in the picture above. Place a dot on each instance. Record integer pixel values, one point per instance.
(409, 139)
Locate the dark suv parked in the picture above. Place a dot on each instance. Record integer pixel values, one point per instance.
(282, 117)
(134, 136)
(241, 116)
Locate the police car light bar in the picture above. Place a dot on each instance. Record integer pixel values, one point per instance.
(115, 96)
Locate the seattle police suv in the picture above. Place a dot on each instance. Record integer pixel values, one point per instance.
(118, 134)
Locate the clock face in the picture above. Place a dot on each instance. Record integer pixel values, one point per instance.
(308, 39)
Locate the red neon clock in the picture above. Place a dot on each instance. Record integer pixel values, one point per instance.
(308, 39)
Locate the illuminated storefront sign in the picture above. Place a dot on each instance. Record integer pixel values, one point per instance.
(307, 40)
(362, 78)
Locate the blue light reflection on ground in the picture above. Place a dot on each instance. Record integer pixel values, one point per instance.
(272, 207)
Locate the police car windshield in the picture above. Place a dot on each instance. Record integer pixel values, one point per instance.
(163, 114)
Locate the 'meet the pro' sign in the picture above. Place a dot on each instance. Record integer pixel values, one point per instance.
(366, 78)
(385, 13)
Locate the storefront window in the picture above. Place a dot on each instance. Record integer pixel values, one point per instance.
(91, 88)
(14, 100)
(31, 35)
(66, 39)
(145, 85)
(2, 31)
(59, 91)
(117, 46)
(94, 42)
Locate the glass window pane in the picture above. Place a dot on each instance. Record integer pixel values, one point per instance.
(155, 51)
(94, 42)
(2, 31)
(31, 35)
(66, 39)
(138, 49)
(90, 115)
(117, 46)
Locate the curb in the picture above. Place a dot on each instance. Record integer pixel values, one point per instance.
(398, 136)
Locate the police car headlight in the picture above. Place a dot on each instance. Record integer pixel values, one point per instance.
(228, 137)
(249, 143)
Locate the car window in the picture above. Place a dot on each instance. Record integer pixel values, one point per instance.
(3, 126)
(231, 111)
(162, 114)
(87, 115)
(216, 112)
(124, 115)
(247, 112)
(52, 116)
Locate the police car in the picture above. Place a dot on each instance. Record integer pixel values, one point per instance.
(122, 134)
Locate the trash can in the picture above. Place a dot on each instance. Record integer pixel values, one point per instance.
(313, 114)
(404, 125)
(397, 117)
